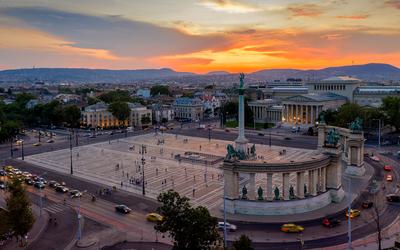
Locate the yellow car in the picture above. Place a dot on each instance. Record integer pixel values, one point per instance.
(37, 144)
(154, 217)
(353, 213)
(292, 228)
(8, 168)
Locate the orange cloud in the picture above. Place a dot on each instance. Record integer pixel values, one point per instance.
(354, 17)
(307, 10)
(393, 3)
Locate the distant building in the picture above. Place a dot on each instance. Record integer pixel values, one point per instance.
(304, 110)
(373, 95)
(31, 103)
(68, 98)
(266, 111)
(190, 109)
(282, 92)
(162, 112)
(145, 93)
(340, 85)
(98, 116)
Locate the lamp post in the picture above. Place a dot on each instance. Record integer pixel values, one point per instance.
(11, 148)
(79, 235)
(142, 152)
(41, 196)
(225, 236)
(349, 218)
(70, 152)
(209, 133)
(379, 132)
(22, 150)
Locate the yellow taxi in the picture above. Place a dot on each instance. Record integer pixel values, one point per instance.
(154, 217)
(292, 228)
(353, 213)
(8, 168)
(37, 144)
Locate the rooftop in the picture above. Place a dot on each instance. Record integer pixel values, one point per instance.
(341, 79)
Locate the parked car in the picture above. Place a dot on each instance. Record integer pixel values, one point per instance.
(122, 209)
(8, 168)
(29, 181)
(3, 173)
(229, 226)
(37, 144)
(330, 222)
(62, 189)
(53, 184)
(393, 198)
(261, 134)
(39, 185)
(50, 141)
(2, 185)
(375, 158)
(75, 193)
(387, 168)
(154, 217)
(42, 180)
(292, 228)
(367, 204)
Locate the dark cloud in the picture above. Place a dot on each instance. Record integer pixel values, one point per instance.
(307, 10)
(114, 33)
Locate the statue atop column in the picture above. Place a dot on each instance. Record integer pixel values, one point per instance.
(356, 126)
(241, 141)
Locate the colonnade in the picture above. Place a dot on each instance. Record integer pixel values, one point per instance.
(301, 114)
(316, 182)
(264, 114)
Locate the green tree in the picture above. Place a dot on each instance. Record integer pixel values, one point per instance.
(391, 107)
(116, 96)
(93, 100)
(190, 228)
(72, 116)
(243, 243)
(159, 90)
(8, 130)
(120, 110)
(19, 214)
(145, 120)
(232, 109)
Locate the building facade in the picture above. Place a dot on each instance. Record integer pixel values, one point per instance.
(98, 116)
(340, 85)
(266, 111)
(372, 95)
(189, 109)
(162, 112)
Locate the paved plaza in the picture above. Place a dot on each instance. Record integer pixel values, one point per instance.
(119, 162)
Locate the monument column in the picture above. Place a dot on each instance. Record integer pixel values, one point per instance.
(291, 112)
(269, 186)
(307, 114)
(230, 181)
(241, 141)
(252, 187)
(301, 115)
(300, 185)
(285, 177)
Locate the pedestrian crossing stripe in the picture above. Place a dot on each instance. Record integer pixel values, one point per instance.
(56, 208)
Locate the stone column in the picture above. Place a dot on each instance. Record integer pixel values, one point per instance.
(252, 187)
(310, 182)
(312, 114)
(300, 185)
(286, 186)
(315, 182)
(307, 114)
(291, 113)
(231, 186)
(323, 179)
(301, 115)
(269, 191)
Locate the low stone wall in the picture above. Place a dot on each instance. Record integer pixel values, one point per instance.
(283, 207)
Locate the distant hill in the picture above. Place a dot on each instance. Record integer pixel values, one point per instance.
(367, 72)
(87, 75)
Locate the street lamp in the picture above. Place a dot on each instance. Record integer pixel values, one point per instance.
(70, 151)
(11, 148)
(225, 236)
(142, 152)
(22, 149)
(209, 133)
(349, 217)
(41, 196)
(79, 235)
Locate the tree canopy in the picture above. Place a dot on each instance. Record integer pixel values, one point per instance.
(120, 110)
(116, 96)
(243, 243)
(232, 109)
(19, 217)
(72, 116)
(159, 90)
(391, 108)
(190, 228)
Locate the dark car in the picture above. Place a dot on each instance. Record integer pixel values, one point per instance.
(393, 198)
(53, 184)
(29, 181)
(75, 194)
(287, 138)
(122, 209)
(61, 189)
(260, 134)
(330, 222)
(367, 204)
(2, 185)
(39, 185)
(3, 173)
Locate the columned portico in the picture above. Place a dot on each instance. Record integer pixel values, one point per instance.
(286, 186)
(252, 186)
(300, 185)
(269, 186)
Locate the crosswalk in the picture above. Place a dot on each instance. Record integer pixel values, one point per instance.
(56, 208)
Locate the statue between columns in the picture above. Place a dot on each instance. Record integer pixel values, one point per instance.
(276, 192)
(244, 193)
(260, 193)
(332, 138)
(356, 126)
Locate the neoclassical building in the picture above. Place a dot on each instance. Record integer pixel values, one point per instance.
(266, 111)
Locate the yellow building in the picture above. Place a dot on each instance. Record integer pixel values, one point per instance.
(98, 116)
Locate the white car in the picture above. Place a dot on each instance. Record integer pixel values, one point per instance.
(229, 226)
(375, 158)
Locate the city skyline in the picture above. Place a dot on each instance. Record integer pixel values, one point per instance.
(198, 36)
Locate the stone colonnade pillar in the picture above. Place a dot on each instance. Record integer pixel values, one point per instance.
(323, 179)
(300, 185)
(231, 184)
(269, 186)
(286, 187)
(315, 182)
(252, 187)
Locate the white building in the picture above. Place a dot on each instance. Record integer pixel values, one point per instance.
(189, 109)
(266, 111)
(162, 112)
(373, 95)
(340, 85)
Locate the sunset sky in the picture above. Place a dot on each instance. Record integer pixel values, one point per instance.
(198, 35)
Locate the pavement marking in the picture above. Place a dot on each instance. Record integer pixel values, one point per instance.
(55, 208)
